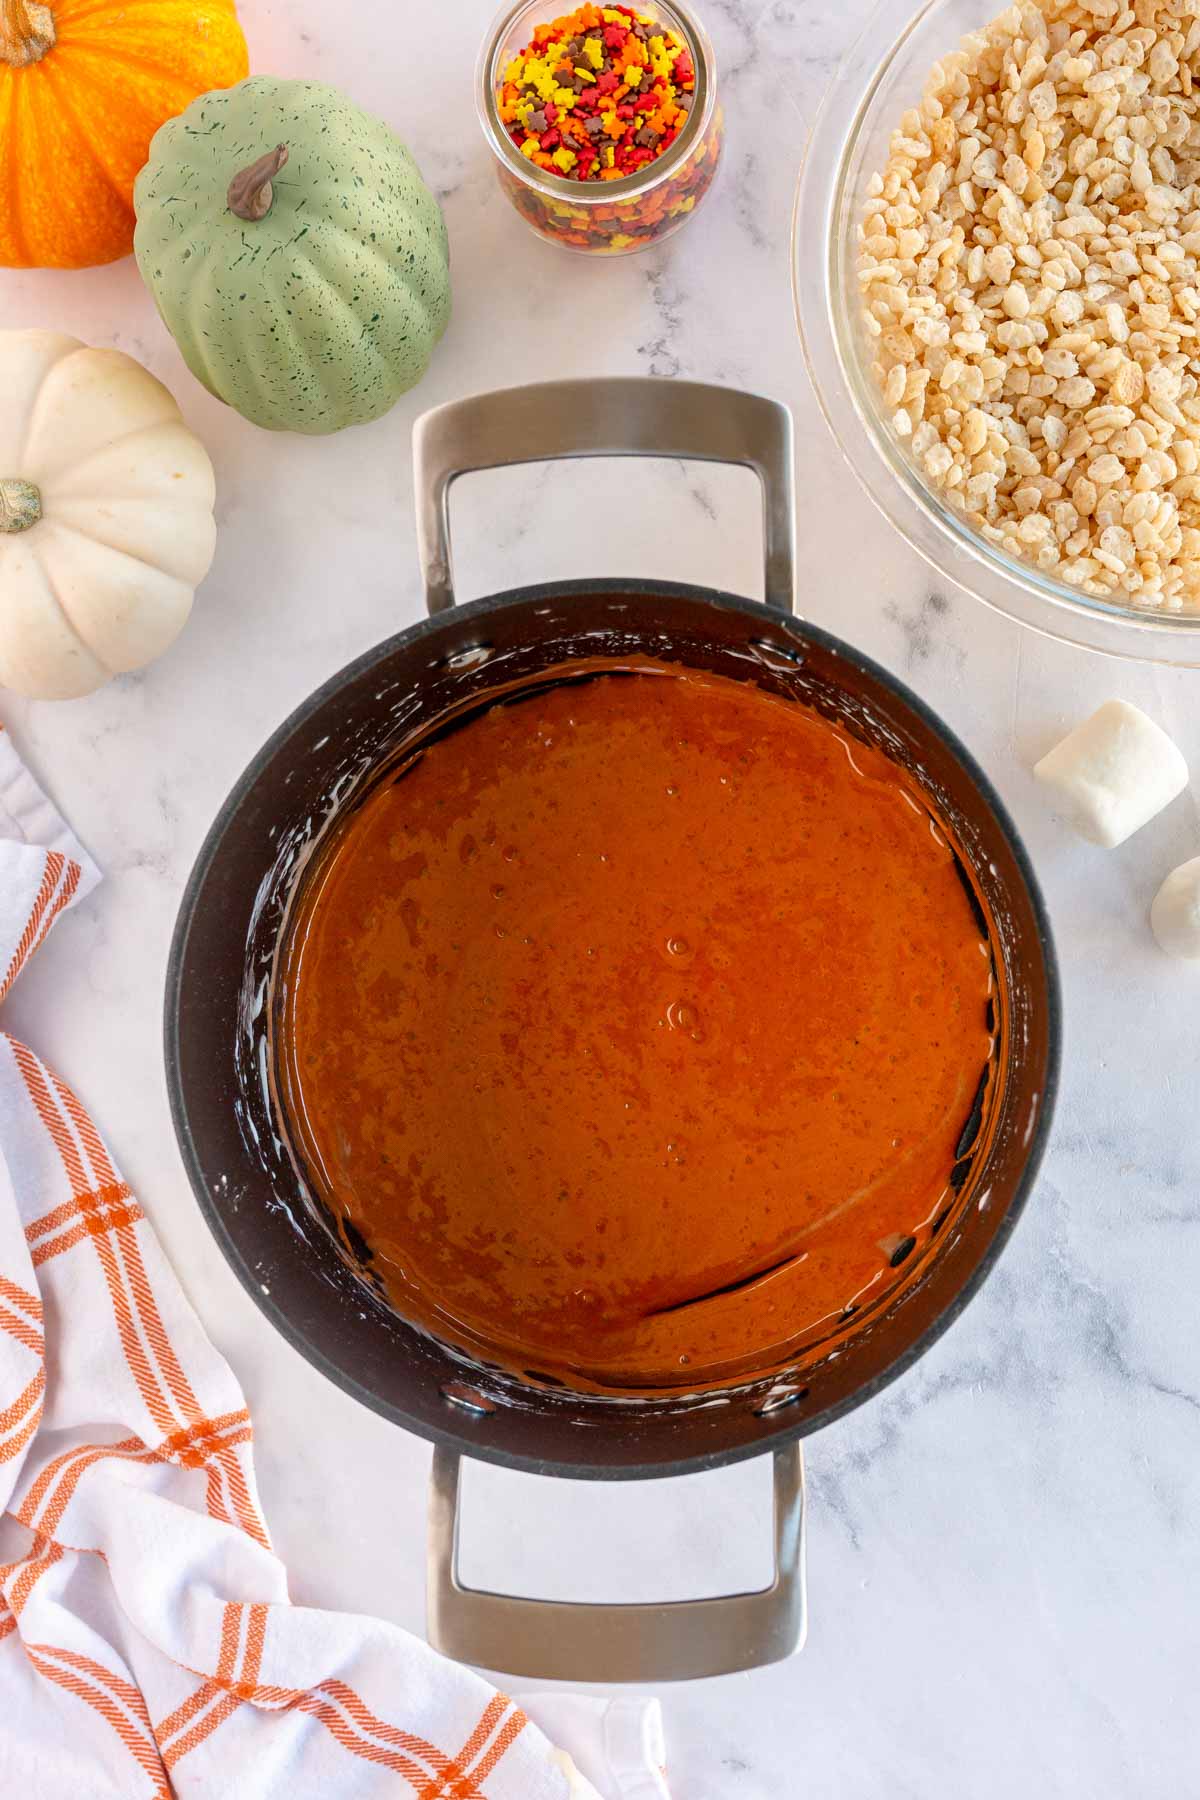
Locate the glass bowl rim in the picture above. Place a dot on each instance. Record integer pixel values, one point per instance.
(824, 208)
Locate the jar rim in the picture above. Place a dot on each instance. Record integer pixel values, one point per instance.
(593, 193)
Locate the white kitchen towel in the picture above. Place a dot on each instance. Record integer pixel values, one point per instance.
(147, 1643)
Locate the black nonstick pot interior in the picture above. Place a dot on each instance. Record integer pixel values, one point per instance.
(216, 1020)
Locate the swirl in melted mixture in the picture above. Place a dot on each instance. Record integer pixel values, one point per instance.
(630, 1032)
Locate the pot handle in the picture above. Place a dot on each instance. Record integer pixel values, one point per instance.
(679, 1640)
(623, 416)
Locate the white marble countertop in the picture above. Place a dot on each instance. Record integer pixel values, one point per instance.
(1004, 1550)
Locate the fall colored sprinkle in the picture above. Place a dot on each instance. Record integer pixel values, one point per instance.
(598, 93)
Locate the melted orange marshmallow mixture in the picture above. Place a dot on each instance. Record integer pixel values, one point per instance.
(633, 1028)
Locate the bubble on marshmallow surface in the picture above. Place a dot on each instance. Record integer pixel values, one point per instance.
(1175, 915)
(1113, 773)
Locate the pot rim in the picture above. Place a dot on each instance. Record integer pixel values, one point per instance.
(459, 1441)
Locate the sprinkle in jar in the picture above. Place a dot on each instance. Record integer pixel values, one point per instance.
(604, 121)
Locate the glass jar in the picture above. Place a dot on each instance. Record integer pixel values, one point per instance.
(607, 218)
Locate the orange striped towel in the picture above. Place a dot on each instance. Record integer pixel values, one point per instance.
(147, 1644)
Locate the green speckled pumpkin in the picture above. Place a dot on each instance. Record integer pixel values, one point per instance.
(295, 254)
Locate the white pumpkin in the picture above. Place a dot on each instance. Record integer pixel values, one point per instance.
(106, 515)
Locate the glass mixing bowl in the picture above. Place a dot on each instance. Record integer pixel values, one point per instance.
(882, 76)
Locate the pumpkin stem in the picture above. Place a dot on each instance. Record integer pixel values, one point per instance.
(250, 192)
(26, 33)
(20, 504)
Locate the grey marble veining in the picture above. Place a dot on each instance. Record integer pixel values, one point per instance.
(1004, 1550)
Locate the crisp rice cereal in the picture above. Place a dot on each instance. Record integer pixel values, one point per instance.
(1029, 264)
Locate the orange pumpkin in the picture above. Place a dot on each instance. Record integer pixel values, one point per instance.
(84, 85)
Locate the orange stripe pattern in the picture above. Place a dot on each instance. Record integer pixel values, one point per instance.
(27, 939)
(89, 1250)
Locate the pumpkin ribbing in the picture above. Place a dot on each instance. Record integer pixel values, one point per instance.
(315, 304)
(109, 526)
(84, 84)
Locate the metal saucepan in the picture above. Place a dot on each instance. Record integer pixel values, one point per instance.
(217, 1005)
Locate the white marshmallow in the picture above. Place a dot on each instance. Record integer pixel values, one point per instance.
(1175, 915)
(1113, 773)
